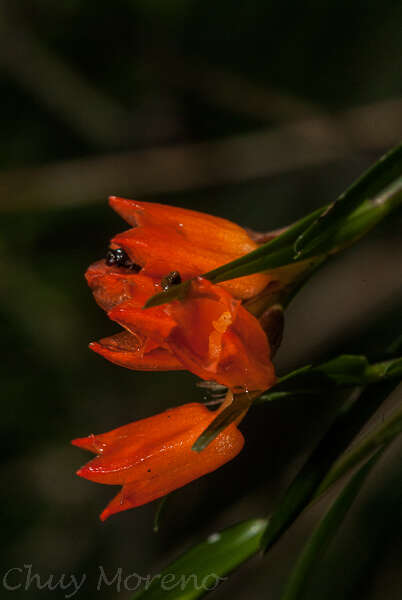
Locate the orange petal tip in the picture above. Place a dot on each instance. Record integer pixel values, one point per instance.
(84, 472)
(86, 443)
(126, 208)
(80, 442)
(104, 515)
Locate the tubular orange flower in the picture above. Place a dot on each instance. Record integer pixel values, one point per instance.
(153, 456)
(166, 238)
(209, 332)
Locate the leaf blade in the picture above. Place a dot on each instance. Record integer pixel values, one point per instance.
(239, 404)
(326, 530)
(319, 234)
(218, 555)
(369, 185)
(352, 415)
(384, 434)
(343, 371)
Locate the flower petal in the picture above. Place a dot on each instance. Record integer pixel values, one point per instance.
(127, 350)
(155, 247)
(152, 447)
(154, 323)
(177, 473)
(113, 285)
(161, 245)
(216, 338)
(201, 229)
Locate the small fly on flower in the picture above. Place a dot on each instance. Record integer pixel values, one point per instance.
(119, 258)
(174, 278)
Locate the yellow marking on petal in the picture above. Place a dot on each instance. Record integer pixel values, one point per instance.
(224, 321)
(215, 337)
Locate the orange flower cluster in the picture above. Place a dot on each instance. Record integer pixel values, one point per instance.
(208, 332)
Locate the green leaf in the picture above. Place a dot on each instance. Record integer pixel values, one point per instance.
(333, 238)
(395, 346)
(343, 371)
(381, 435)
(369, 186)
(240, 403)
(326, 530)
(206, 564)
(351, 417)
(175, 292)
(337, 236)
(393, 368)
(323, 232)
(158, 512)
(347, 368)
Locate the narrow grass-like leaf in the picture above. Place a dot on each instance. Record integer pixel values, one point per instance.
(344, 371)
(333, 239)
(381, 435)
(325, 531)
(240, 403)
(365, 204)
(394, 368)
(368, 186)
(395, 346)
(201, 568)
(337, 236)
(351, 417)
(350, 369)
(158, 512)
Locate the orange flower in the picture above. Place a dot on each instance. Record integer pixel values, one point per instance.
(116, 286)
(153, 456)
(209, 332)
(166, 238)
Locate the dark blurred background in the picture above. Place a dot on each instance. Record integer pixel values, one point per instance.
(256, 111)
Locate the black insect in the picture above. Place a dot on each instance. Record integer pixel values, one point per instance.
(119, 258)
(173, 278)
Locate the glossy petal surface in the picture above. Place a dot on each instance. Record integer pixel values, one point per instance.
(153, 456)
(167, 238)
